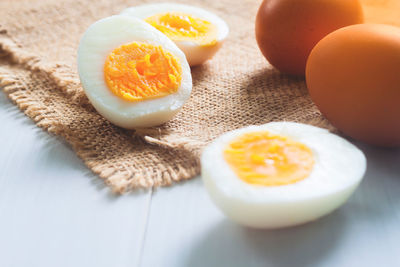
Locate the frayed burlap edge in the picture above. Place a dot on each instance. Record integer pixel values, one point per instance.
(120, 180)
(57, 72)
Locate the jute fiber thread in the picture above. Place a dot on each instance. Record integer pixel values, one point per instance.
(38, 43)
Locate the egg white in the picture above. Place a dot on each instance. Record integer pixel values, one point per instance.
(196, 54)
(100, 39)
(338, 169)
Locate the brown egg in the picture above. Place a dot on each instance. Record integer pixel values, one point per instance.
(287, 30)
(353, 76)
(382, 12)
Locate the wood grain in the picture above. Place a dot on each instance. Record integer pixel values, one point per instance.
(54, 212)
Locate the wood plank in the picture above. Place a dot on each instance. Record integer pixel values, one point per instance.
(53, 210)
(185, 229)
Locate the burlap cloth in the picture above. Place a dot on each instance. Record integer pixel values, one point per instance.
(38, 43)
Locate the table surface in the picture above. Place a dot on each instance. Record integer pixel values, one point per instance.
(55, 212)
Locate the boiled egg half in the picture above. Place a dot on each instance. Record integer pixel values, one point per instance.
(197, 32)
(132, 74)
(280, 174)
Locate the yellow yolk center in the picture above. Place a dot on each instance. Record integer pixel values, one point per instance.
(139, 71)
(265, 159)
(183, 27)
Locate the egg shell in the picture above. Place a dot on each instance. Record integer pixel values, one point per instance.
(287, 30)
(196, 54)
(100, 39)
(338, 170)
(353, 76)
(382, 12)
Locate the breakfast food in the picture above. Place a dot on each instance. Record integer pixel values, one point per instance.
(287, 30)
(280, 174)
(197, 32)
(132, 74)
(353, 78)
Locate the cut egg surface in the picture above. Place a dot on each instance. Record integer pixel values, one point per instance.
(132, 74)
(280, 174)
(197, 32)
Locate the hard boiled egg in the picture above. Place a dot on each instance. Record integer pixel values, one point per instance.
(132, 74)
(280, 174)
(197, 32)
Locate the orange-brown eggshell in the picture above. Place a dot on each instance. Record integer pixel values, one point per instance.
(353, 76)
(287, 30)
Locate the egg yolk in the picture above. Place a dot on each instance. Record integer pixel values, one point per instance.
(265, 159)
(183, 27)
(140, 71)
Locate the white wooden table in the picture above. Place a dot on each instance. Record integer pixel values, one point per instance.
(55, 213)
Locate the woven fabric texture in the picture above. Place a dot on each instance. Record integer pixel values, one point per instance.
(38, 43)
